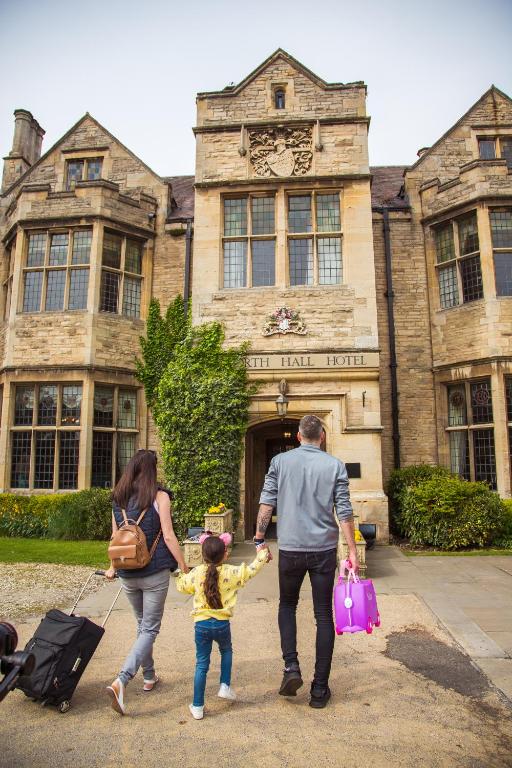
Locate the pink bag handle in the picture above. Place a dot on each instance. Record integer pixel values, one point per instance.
(346, 565)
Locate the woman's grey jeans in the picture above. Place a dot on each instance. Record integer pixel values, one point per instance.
(146, 595)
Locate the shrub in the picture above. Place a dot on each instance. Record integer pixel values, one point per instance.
(402, 479)
(25, 516)
(82, 515)
(504, 536)
(451, 513)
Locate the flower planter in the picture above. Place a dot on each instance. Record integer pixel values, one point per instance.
(192, 553)
(222, 523)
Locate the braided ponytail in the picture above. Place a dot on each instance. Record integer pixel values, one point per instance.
(213, 555)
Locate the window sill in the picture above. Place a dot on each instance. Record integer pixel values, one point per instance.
(465, 305)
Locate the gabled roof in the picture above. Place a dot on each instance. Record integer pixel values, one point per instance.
(85, 117)
(183, 195)
(233, 90)
(387, 186)
(491, 91)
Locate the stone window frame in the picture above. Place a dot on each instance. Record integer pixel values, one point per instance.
(123, 274)
(115, 430)
(315, 234)
(248, 238)
(456, 261)
(34, 428)
(470, 427)
(286, 84)
(500, 249)
(69, 186)
(497, 140)
(7, 283)
(45, 268)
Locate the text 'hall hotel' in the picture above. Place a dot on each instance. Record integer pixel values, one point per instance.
(378, 298)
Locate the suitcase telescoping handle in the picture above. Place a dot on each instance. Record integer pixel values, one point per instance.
(97, 573)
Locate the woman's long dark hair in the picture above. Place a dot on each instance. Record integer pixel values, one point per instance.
(213, 555)
(138, 481)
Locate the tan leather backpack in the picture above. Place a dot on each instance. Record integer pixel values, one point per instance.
(128, 547)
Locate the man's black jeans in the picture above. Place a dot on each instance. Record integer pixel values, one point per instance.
(321, 567)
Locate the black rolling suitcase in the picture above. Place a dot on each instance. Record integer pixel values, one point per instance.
(63, 645)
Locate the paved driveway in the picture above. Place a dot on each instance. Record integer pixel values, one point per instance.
(404, 696)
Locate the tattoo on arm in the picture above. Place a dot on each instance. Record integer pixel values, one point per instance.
(264, 518)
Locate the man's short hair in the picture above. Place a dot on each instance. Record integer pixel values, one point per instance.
(310, 427)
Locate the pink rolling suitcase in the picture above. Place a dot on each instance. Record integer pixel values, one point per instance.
(355, 603)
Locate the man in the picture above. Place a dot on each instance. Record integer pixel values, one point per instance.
(306, 485)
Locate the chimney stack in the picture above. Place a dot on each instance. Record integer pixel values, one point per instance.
(26, 147)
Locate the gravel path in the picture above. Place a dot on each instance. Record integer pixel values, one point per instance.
(31, 589)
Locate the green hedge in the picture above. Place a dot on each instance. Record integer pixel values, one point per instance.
(504, 537)
(402, 479)
(79, 516)
(450, 513)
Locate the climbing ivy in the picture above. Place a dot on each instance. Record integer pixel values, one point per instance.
(199, 392)
(157, 347)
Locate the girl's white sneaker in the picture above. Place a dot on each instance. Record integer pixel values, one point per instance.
(226, 692)
(196, 712)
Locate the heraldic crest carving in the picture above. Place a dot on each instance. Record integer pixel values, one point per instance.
(284, 320)
(281, 151)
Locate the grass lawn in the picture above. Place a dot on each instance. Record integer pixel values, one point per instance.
(89, 553)
(464, 553)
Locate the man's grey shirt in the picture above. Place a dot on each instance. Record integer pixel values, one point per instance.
(305, 484)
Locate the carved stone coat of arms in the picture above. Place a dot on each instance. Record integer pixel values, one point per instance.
(281, 152)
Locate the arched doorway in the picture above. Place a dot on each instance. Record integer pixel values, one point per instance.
(262, 443)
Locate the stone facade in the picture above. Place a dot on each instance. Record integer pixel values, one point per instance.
(418, 389)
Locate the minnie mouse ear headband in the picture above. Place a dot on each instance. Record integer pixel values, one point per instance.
(225, 537)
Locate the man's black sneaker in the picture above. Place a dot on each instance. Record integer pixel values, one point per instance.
(292, 681)
(319, 697)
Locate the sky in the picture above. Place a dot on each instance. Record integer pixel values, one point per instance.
(137, 65)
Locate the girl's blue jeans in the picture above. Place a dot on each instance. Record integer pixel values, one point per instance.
(205, 633)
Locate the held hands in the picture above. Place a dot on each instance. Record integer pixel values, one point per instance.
(265, 547)
(183, 567)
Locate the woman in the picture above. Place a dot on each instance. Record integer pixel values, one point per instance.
(146, 588)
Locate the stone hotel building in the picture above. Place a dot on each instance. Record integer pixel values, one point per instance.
(379, 298)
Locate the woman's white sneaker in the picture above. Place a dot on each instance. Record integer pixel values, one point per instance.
(196, 712)
(116, 693)
(226, 692)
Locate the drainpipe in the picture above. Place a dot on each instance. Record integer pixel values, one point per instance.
(188, 256)
(392, 341)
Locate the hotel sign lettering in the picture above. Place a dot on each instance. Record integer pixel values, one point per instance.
(312, 361)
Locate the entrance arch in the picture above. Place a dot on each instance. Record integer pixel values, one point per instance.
(262, 442)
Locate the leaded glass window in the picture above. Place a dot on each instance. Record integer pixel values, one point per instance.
(299, 213)
(235, 217)
(301, 261)
(235, 263)
(506, 151)
(21, 449)
(263, 215)
(458, 262)
(472, 452)
(45, 452)
(44, 459)
(24, 404)
(88, 169)
(487, 149)
(501, 228)
(263, 262)
(121, 292)
(47, 405)
(329, 260)
(279, 98)
(115, 433)
(328, 213)
(49, 282)
(69, 452)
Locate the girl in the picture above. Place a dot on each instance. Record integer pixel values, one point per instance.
(146, 588)
(215, 586)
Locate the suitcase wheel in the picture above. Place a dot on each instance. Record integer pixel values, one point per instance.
(64, 706)
(377, 621)
(338, 631)
(369, 627)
